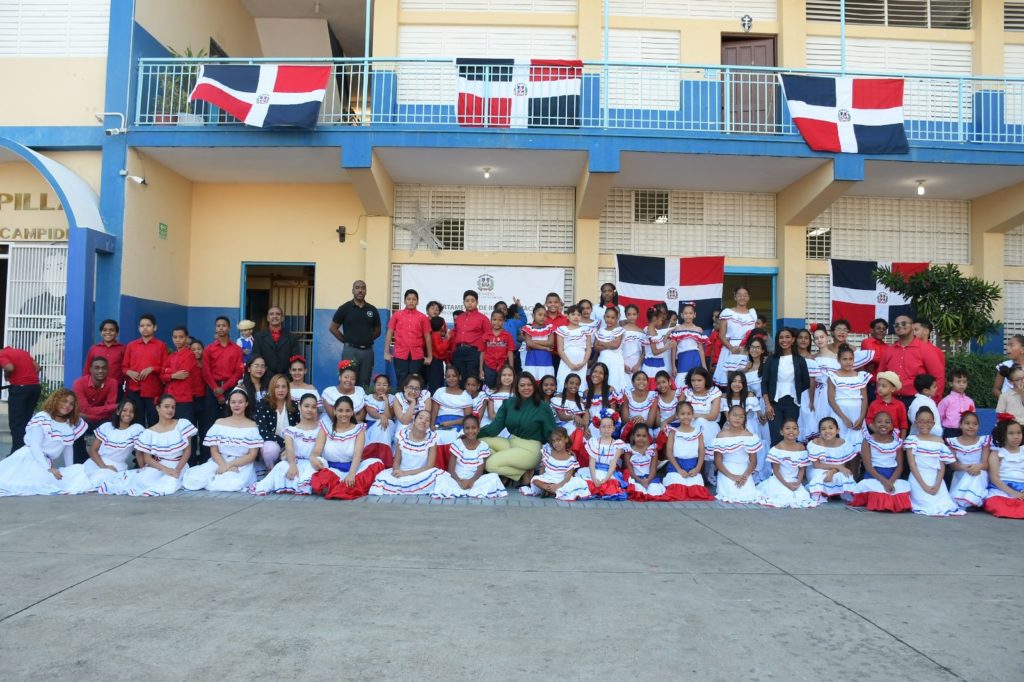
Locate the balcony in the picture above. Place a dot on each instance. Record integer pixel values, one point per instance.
(627, 98)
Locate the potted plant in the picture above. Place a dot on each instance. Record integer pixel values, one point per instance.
(172, 102)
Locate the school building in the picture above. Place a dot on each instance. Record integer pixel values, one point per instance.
(118, 197)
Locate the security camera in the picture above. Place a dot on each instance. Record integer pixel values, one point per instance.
(137, 179)
(110, 132)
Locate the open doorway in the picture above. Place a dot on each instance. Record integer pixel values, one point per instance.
(751, 97)
(288, 286)
(762, 294)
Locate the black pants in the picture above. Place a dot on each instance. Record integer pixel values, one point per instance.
(21, 405)
(435, 375)
(212, 410)
(907, 400)
(786, 408)
(81, 452)
(404, 368)
(145, 408)
(491, 376)
(466, 359)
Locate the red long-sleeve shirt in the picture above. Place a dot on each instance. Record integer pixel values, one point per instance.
(880, 348)
(441, 346)
(908, 362)
(222, 365)
(140, 354)
(470, 328)
(113, 354)
(182, 359)
(896, 410)
(95, 403)
(198, 383)
(24, 372)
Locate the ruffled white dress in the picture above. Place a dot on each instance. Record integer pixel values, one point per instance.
(565, 412)
(735, 452)
(574, 345)
(929, 457)
(117, 448)
(690, 345)
(414, 455)
(849, 399)
(738, 325)
(603, 456)
(642, 463)
(613, 358)
(277, 481)
(841, 484)
(232, 442)
(632, 347)
(778, 495)
(702, 411)
(467, 462)
(967, 490)
(422, 403)
(26, 471)
(1011, 473)
(656, 362)
(540, 363)
(869, 492)
(640, 407)
(808, 420)
(375, 433)
(555, 471)
(754, 424)
(167, 448)
(297, 393)
(686, 451)
(451, 407)
(821, 407)
(331, 395)
(340, 449)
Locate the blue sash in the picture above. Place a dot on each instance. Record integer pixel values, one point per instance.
(686, 464)
(340, 466)
(886, 472)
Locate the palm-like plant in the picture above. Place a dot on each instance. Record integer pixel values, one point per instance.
(177, 82)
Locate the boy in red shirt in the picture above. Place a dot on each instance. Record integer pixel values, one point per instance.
(111, 350)
(97, 399)
(440, 344)
(222, 369)
(177, 375)
(143, 360)
(498, 348)
(22, 373)
(887, 385)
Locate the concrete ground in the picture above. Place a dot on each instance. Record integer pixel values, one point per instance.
(228, 586)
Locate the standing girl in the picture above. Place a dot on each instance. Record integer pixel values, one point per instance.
(347, 378)
(465, 476)
(254, 380)
(657, 345)
(735, 451)
(112, 449)
(685, 456)
(608, 341)
(165, 447)
(298, 385)
(690, 344)
(539, 340)
(449, 407)
(733, 326)
(1006, 471)
(970, 483)
(928, 456)
(789, 461)
(610, 299)
(848, 397)
(573, 343)
(341, 471)
(809, 416)
(414, 472)
(234, 443)
(632, 341)
(882, 489)
(33, 469)
(293, 473)
(557, 466)
(830, 454)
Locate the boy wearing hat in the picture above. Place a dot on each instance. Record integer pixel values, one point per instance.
(245, 327)
(888, 383)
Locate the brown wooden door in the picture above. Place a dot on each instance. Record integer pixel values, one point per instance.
(749, 99)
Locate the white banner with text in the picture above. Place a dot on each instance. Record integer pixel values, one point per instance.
(447, 283)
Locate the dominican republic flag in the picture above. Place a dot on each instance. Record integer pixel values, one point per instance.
(857, 297)
(266, 94)
(517, 93)
(645, 281)
(852, 115)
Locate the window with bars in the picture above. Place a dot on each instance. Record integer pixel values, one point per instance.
(650, 206)
(697, 224)
(520, 219)
(1013, 247)
(1013, 309)
(955, 14)
(818, 307)
(1013, 16)
(892, 229)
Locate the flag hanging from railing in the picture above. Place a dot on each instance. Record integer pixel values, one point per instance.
(517, 93)
(645, 281)
(858, 298)
(844, 114)
(266, 94)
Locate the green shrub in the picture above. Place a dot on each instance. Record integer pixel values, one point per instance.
(981, 373)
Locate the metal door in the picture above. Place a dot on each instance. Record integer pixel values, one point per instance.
(750, 100)
(295, 298)
(36, 288)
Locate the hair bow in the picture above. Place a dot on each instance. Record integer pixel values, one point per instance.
(1005, 417)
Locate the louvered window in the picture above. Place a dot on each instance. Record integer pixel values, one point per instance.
(643, 88)
(760, 10)
(1013, 247)
(954, 14)
(1013, 16)
(54, 28)
(1013, 91)
(538, 6)
(818, 305)
(1013, 308)
(650, 206)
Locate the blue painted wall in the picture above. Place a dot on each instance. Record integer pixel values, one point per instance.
(168, 316)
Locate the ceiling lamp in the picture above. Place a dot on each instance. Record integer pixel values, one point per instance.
(920, 188)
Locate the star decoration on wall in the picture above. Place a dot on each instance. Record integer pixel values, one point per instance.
(422, 230)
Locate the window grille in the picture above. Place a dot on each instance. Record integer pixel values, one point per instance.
(818, 307)
(762, 10)
(819, 241)
(538, 6)
(1013, 247)
(36, 287)
(1013, 309)
(57, 28)
(650, 206)
(955, 14)
(1013, 16)
(569, 293)
(396, 287)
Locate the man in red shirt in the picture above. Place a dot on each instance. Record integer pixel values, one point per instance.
(907, 358)
(143, 360)
(498, 348)
(875, 342)
(556, 318)
(22, 374)
(222, 368)
(110, 349)
(97, 400)
(177, 375)
(468, 336)
(410, 330)
(923, 333)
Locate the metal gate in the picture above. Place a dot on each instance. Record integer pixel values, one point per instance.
(37, 282)
(295, 298)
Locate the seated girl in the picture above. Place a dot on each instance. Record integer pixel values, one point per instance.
(555, 475)
(234, 443)
(735, 450)
(969, 487)
(684, 457)
(298, 386)
(341, 471)
(830, 454)
(465, 476)
(642, 465)
(414, 471)
(112, 450)
(410, 400)
(789, 461)
(165, 447)
(450, 405)
(1006, 471)
(347, 378)
(604, 452)
(293, 473)
(882, 489)
(927, 456)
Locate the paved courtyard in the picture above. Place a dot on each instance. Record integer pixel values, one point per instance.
(202, 586)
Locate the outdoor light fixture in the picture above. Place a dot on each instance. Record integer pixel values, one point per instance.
(137, 179)
(487, 173)
(920, 188)
(342, 233)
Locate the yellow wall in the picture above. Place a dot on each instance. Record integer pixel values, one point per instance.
(191, 23)
(18, 177)
(278, 223)
(151, 267)
(51, 91)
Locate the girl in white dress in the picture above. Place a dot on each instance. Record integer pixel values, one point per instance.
(632, 341)
(690, 343)
(830, 477)
(608, 341)
(555, 476)
(574, 346)
(539, 340)
(496, 398)
(927, 456)
(379, 418)
(881, 454)
(827, 362)
(638, 406)
(1006, 471)
(293, 473)
(707, 407)
(166, 447)
(666, 399)
(602, 472)
(685, 457)
(449, 406)
(478, 395)
(969, 486)
(465, 476)
(234, 444)
(789, 461)
(848, 397)
(347, 378)
(50, 435)
(735, 452)
(808, 407)
(602, 400)
(738, 394)
(1015, 352)
(412, 399)
(570, 410)
(112, 450)
(733, 326)
(841, 336)
(642, 465)
(340, 469)
(658, 349)
(298, 386)
(414, 472)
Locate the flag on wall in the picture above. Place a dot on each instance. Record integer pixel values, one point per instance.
(516, 93)
(844, 114)
(266, 94)
(856, 295)
(645, 281)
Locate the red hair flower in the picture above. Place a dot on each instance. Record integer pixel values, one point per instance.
(346, 364)
(1005, 417)
(297, 358)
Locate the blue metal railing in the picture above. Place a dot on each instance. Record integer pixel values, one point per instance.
(635, 96)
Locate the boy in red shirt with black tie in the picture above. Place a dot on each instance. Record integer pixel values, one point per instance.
(498, 348)
(22, 373)
(143, 360)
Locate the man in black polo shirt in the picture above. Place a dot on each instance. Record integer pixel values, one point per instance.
(361, 323)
